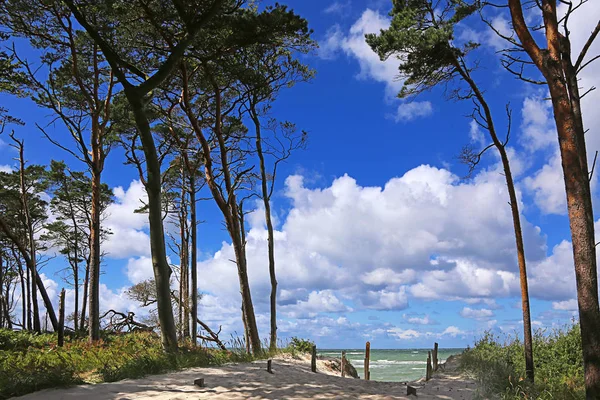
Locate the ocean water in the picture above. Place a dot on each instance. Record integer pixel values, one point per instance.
(394, 365)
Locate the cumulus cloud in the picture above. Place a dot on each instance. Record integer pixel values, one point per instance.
(6, 168)
(474, 313)
(412, 110)
(323, 301)
(128, 236)
(453, 331)
(566, 305)
(424, 235)
(417, 320)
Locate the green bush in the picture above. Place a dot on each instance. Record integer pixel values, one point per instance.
(30, 362)
(499, 366)
(301, 345)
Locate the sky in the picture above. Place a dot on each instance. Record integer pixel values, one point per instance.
(379, 235)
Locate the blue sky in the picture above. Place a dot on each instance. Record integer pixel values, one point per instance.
(378, 236)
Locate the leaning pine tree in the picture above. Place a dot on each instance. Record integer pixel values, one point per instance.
(421, 37)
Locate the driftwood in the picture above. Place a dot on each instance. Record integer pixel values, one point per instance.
(120, 322)
(212, 336)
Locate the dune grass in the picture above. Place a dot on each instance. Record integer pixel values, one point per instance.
(30, 362)
(499, 365)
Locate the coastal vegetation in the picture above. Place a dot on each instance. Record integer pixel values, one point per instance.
(30, 361)
(498, 364)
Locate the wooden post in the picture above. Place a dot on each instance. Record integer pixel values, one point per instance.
(313, 360)
(343, 366)
(367, 357)
(199, 382)
(411, 390)
(61, 318)
(269, 366)
(428, 370)
(435, 357)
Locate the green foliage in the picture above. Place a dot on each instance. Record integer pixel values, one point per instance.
(30, 362)
(500, 366)
(421, 36)
(301, 345)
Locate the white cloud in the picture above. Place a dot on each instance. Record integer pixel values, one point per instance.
(554, 277)
(338, 7)
(139, 269)
(453, 331)
(405, 334)
(387, 276)
(474, 313)
(323, 301)
(128, 238)
(538, 127)
(413, 319)
(353, 44)
(6, 168)
(424, 235)
(412, 110)
(548, 187)
(566, 305)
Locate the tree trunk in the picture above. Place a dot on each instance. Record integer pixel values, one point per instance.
(270, 238)
(184, 319)
(1, 291)
(84, 299)
(94, 273)
(247, 307)
(581, 221)
(194, 256)
(162, 270)
(23, 290)
(514, 206)
(528, 340)
(29, 312)
(30, 239)
(555, 64)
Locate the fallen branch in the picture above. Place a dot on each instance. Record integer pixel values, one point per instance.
(118, 321)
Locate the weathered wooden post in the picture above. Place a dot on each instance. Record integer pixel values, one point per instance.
(199, 382)
(367, 357)
(313, 360)
(428, 370)
(61, 318)
(269, 366)
(435, 357)
(411, 390)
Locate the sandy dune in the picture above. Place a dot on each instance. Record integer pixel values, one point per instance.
(291, 379)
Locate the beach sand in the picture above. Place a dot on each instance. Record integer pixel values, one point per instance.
(291, 379)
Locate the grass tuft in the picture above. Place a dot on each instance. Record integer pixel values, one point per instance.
(499, 365)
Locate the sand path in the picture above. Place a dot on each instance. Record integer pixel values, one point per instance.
(291, 379)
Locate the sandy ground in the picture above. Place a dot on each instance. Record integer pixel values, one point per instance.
(291, 379)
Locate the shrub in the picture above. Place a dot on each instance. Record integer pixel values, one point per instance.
(30, 362)
(499, 366)
(301, 345)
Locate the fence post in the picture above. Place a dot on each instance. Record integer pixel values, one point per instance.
(269, 361)
(428, 370)
(435, 357)
(61, 318)
(313, 360)
(367, 357)
(343, 367)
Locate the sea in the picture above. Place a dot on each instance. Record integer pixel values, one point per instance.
(393, 365)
